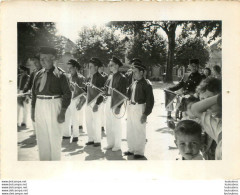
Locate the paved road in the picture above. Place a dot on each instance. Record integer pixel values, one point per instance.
(159, 137)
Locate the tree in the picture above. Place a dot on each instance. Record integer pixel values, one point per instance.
(32, 35)
(191, 48)
(101, 43)
(210, 29)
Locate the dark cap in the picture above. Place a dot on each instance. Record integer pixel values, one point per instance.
(194, 61)
(74, 63)
(48, 50)
(135, 60)
(138, 65)
(117, 61)
(96, 62)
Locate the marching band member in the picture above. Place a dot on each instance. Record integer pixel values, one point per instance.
(29, 84)
(139, 107)
(105, 76)
(94, 103)
(72, 114)
(51, 96)
(22, 103)
(188, 83)
(118, 82)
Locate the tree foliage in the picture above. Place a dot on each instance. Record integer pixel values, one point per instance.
(99, 42)
(190, 48)
(32, 35)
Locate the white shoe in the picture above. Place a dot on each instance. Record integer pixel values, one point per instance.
(108, 148)
(116, 149)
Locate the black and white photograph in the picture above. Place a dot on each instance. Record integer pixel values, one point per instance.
(119, 90)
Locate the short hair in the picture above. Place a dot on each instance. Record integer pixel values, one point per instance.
(186, 101)
(217, 69)
(188, 127)
(209, 70)
(211, 84)
(96, 62)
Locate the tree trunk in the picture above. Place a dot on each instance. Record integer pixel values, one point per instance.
(170, 55)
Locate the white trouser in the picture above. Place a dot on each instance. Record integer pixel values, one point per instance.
(81, 116)
(48, 130)
(113, 127)
(136, 131)
(23, 113)
(102, 111)
(72, 120)
(93, 123)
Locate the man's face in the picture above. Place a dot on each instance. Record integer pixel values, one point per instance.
(46, 60)
(100, 69)
(137, 74)
(193, 67)
(71, 69)
(92, 68)
(113, 67)
(206, 72)
(215, 108)
(188, 145)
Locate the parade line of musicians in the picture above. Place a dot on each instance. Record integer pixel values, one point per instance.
(61, 102)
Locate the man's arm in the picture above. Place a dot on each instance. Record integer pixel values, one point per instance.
(149, 99)
(199, 107)
(67, 95)
(177, 86)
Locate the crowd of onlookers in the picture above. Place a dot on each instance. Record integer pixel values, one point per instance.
(198, 135)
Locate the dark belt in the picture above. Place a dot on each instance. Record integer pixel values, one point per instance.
(42, 97)
(135, 103)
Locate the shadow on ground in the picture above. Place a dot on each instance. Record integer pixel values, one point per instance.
(30, 142)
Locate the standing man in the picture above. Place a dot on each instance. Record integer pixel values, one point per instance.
(139, 107)
(72, 114)
(29, 84)
(51, 96)
(189, 82)
(93, 114)
(22, 102)
(105, 76)
(118, 82)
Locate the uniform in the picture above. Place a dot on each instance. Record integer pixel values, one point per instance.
(93, 119)
(188, 83)
(48, 99)
(72, 114)
(103, 118)
(22, 104)
(28, 87)
(141, 102)
(113, 124)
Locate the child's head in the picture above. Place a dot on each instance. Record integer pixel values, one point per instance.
(189, 102)
(208, 88)
(188, 138)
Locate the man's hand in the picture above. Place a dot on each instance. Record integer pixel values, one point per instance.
(143, 119)
(33, 114)
(117, 110)
(61, 116)
(81, 103)
(95, 108)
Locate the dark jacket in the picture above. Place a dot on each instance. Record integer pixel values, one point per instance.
(143, 94)
(188, 83)
(56, 84)
(119, 83)
(22, 80)
(98, 81)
